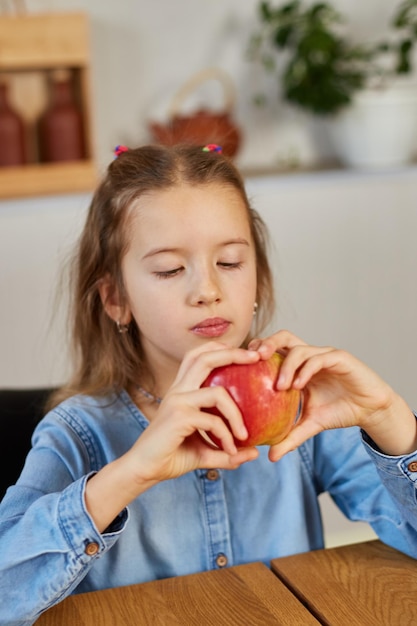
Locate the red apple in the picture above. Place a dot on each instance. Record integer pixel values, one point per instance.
(269, 414)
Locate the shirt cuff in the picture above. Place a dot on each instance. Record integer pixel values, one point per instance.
(118, 523)
(402, 465)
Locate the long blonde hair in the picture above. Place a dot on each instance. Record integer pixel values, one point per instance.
(105, 360)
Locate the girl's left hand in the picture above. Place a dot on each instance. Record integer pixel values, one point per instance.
(338, 391)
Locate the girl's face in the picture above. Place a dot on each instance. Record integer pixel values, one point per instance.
(190, 271)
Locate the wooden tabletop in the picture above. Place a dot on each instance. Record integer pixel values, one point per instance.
(237, 596)
(364, 584)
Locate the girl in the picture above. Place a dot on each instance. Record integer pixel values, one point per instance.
(120, 487)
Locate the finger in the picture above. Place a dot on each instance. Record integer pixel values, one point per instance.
(243, 455)
(215, 458)
(336, 362)
(181, 417)
(215, 426)
(300, 364)
(220, 400)
(282, 341)
(196, 367)
(296, 437)
(193, 355)
(254, 344)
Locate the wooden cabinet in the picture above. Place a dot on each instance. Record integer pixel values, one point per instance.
(31, 48)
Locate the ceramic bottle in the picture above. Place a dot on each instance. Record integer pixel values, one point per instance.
(12, 131)
(61, 136)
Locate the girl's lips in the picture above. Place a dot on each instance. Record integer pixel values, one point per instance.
(212, 327)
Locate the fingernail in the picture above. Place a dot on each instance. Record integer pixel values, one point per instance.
(243, 433)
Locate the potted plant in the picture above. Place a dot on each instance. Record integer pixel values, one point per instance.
(359, 88)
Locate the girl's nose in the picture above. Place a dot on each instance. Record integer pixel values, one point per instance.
(205, 291)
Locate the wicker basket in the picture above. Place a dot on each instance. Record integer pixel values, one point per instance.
(203, 126)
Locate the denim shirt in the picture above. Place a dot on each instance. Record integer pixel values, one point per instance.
(50, 547)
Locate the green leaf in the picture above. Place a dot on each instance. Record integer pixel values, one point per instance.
(322, 67)
(283, 35)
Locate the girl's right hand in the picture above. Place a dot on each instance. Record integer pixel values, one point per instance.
(172, 444)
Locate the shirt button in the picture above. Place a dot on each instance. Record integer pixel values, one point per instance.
(412, 466)
(91, 548)
(212, 474)
(221, 560)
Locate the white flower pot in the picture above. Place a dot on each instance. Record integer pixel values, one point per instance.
(379, 129)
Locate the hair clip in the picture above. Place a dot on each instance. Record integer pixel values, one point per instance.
(213, 147)
(118, 150)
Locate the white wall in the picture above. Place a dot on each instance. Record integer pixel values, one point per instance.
(36, 236)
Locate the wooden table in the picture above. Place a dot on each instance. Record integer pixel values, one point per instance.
(364, 584)
(245, 595)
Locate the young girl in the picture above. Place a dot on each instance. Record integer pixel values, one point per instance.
(171, 280)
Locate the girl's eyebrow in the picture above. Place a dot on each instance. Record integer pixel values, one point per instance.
(223, 244)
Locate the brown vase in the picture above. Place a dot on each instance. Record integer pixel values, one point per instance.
(12, 132)
(61, 135)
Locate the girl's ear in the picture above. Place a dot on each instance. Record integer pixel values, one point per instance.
(112, 301)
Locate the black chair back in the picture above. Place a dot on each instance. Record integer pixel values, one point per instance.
(20, 411)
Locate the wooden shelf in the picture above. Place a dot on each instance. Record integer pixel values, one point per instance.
(47, 178)
(44, 41)
(34, 45)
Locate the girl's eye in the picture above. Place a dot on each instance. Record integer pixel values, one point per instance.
(168, 273)
(231, 266)
(178, 270)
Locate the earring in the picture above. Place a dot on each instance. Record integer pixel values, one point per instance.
(122, 328)
(255, 308)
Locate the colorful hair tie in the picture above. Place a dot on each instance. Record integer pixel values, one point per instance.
(118, 150)
(213, 147)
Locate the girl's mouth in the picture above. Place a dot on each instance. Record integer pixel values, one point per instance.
(212, 327)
